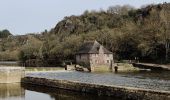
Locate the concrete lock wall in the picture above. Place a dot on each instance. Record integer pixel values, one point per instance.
(11, 90)
(105, 90)
(11, 74)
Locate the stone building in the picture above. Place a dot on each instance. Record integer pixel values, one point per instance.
(93, 54)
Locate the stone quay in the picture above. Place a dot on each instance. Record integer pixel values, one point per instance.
(11, 74)
(125, 93)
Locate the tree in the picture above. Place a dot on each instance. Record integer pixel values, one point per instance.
(121, 10)
(165, 20)
(22, 57)
(4, 33)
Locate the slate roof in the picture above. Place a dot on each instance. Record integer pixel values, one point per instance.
(92, 47)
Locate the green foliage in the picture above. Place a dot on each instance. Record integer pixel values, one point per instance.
(4, 33)
(22, 57)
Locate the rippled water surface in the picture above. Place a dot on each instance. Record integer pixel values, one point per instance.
(145, 79)
(31, 92)
(148, 80)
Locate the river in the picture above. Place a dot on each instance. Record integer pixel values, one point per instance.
(31, 92)
(144, 79)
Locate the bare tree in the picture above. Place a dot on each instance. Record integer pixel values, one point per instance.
(165, 18)
(121, 10)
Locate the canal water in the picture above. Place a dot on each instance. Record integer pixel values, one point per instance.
(145, 79)
(31, 92)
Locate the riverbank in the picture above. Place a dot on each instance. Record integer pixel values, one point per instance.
(121, 67)
(105, 90)
(126, 67)
(152, 66)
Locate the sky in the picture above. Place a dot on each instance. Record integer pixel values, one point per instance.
(32, 16)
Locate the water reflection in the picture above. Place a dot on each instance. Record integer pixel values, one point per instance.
(32, 95)
(151, 80)
(146, 80)
(11, 92)
(32, 92)
(60, 94)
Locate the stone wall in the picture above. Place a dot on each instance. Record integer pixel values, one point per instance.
(96, 60)
(105, 90)
(82, 58)
(11, 74)
(101, 59)
(11, 91)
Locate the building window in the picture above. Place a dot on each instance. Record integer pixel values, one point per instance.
(80, 56)
(107, 55)
(90, 60)
(107, 61)
(96, 55)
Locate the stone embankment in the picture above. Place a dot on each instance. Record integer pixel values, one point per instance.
(121, 67)
(104, 90)
(11, 74)
(152, 66)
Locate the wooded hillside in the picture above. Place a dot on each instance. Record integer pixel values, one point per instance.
(126, 31)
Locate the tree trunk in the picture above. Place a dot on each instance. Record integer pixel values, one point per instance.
(167, 49)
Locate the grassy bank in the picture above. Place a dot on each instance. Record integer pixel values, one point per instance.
(126, 67)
